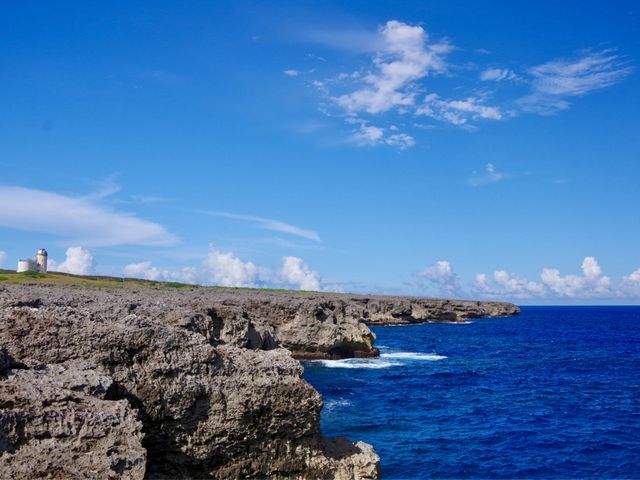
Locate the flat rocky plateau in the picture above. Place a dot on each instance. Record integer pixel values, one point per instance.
(184, 383)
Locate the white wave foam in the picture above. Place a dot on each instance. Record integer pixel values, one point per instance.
(359, 363)
(341, 402)
(413, 356)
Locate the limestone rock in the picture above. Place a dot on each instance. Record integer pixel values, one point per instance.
(55, 422)
(209, 409)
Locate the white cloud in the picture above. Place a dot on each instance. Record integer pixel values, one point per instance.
(371, 135)
(3, 257)
(368, 135)
(630, 285)
(147, 271)
(457, 112)
(143, 270)
(556, 81)
(78, 261)
(294, 273)
(504, 284)
(400, 140)
(592, 283)
(498, 75)
(269, 224)
(490, 175)
(404, 57)
(291, 73)
(442, 276)
(227, 270)
(76, 219)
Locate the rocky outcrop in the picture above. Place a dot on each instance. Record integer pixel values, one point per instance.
(56, 422)
(197, 383)
(405, 310)
(210, 405)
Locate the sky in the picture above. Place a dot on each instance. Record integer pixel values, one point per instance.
(484, 150)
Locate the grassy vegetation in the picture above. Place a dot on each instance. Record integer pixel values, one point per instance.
(57, 278)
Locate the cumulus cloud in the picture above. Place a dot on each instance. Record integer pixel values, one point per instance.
(3, 257)
(504, 284)
(371, 135)
(592, 283)
(457, 112)
(630, 285)
(442, 277)
(405, 56)
(269, 224)
(227, 270)
(296, 274)
(554, 82)
(79, 220)
(147, 271)
(490, 175)
(78, 261)
(498, 75)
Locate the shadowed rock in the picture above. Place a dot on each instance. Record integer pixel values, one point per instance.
(211, 406)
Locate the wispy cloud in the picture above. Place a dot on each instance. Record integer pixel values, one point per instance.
(79, 220)
(370, 135)
(403, 61)
(268, 224)
(490, 175)
(498, 75)
(291, 72)
(405, 57)
(554, 82)
(457, 112)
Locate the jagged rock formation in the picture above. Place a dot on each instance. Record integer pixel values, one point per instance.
(56, 422)
(208, 409)
(404, 310)
(200, 381)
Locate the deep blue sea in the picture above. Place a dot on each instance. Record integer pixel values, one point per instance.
(552, 393)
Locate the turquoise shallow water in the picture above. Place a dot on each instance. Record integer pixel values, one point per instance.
(552, 393)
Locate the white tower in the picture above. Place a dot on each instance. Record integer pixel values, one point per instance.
(41, 260)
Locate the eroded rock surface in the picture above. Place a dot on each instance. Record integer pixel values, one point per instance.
(210, 405)
(55, 422)
(196, 383)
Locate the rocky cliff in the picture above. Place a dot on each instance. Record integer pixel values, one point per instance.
(123, 383)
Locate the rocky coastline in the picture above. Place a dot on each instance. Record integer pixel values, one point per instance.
(188, 383)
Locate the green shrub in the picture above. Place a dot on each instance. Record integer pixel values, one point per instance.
(34, 274)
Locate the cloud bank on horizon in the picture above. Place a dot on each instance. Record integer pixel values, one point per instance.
(591, 284)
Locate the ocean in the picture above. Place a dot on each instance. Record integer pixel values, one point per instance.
(551, 393)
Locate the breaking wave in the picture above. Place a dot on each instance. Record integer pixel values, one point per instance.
(413, 356)
(360, 363)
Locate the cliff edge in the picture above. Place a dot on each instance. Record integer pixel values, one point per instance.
(165, 383)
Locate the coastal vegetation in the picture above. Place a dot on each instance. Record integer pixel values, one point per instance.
(60, 278)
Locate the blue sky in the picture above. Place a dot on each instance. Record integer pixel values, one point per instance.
(474, 150)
